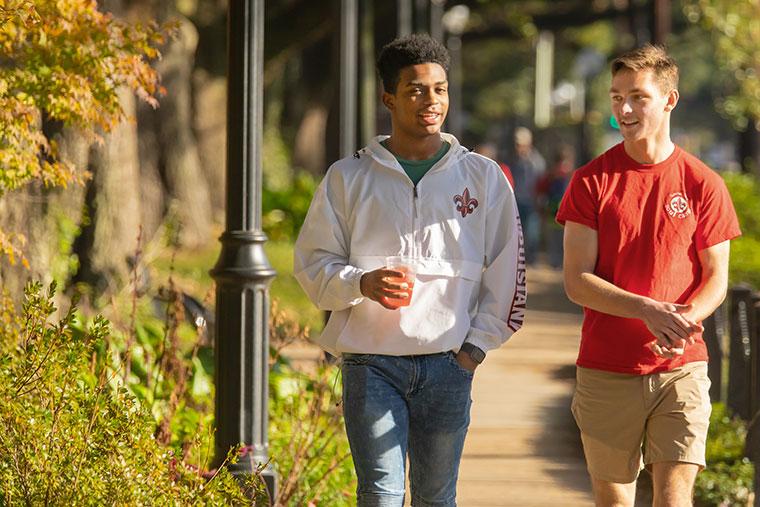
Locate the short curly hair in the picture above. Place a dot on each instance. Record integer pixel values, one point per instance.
(405, 51)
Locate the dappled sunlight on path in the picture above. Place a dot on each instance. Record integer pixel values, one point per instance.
(523, 448)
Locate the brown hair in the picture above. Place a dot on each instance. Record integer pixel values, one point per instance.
(649, 57)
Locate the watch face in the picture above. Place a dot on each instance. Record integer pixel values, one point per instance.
(474, 352)
(477, 355)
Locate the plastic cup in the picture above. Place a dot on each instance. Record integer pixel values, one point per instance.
(407, 266)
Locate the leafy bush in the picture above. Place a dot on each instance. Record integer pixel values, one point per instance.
(123, 415)
(70, 433)
(309, 447)
(745, 263)
(727, 479)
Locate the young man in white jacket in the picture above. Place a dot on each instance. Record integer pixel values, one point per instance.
(407, 372)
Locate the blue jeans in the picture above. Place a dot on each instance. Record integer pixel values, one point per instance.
(420, 404)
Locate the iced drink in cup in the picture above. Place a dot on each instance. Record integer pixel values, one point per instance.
(407, 266)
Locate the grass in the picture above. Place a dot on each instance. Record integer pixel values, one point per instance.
(191, 274)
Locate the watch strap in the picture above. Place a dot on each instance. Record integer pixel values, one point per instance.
(475, 353)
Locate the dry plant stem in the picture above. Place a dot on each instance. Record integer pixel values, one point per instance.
(304, 444)
(321, 482)
(171, 364)
(170, 327)
(322, 435)
(270, 500)
(207, 454)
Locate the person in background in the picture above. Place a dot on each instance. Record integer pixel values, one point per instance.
(489, 150)
(527, 167)
(550, 190)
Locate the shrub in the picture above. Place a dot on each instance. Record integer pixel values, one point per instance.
(727, 479)
(70, 433)
(308, 445)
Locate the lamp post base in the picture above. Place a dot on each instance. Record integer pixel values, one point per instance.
(246, 468)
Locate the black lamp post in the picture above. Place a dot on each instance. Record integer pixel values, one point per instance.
(243, 273)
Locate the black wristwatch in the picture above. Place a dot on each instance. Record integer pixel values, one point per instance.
(474, 352)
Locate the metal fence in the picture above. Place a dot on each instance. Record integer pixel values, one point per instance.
(732, 336)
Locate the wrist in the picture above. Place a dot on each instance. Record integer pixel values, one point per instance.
(644, 306)
(362, 281)
(475, 353)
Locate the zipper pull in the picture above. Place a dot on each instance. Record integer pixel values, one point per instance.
(415, 191)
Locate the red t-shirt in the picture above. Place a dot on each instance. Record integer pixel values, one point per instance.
(508, 173)
(651, 220)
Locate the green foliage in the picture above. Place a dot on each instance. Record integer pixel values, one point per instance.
(70, 432)
(728, 477)
(190, 272)
(308, 444)
(745, 262)
(734, 26)
(284, 209)
(94, 415)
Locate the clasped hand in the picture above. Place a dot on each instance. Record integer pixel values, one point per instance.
(672, 325)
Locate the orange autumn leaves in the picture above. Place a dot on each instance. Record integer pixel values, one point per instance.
(63, 61)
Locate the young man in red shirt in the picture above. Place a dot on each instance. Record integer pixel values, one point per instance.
(647, 230)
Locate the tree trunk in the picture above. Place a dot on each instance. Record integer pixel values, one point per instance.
(210, 123)
(113, 206)
(316, 87)
(48, 219)
(179, 160)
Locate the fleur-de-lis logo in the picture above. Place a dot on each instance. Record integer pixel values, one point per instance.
(465, 204)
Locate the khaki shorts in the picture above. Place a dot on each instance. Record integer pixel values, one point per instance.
(666, 413)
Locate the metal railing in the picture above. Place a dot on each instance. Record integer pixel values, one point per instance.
(732, 336)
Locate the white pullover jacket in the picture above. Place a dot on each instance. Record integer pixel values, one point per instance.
(461, 226)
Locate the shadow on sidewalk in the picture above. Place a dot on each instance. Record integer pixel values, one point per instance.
(560, 439)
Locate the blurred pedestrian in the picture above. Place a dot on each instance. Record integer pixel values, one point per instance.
(550, 190)
(410, 344)
(489, 150)
(527, 167)
(647, 233)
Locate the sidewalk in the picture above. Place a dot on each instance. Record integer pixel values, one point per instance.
(523, 448)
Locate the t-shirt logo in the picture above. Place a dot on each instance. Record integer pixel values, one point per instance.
(465, 204)
(677, 205)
